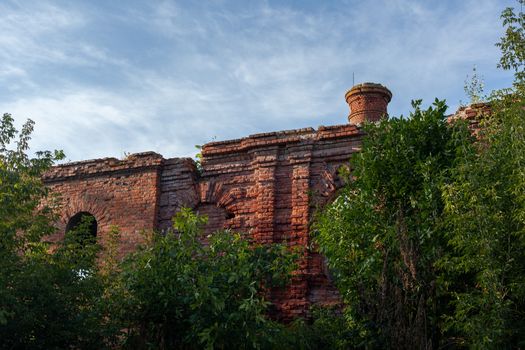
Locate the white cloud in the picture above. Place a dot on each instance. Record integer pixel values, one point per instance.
(34, 32)
(165, 76)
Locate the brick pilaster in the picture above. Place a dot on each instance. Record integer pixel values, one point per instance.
(264, 163)
(297, 294)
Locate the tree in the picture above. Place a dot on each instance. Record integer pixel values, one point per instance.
(512, 44)
(485, 213)
(485, 209)
(47, 297)
(427, 244)
(21, 188)
(384, 233)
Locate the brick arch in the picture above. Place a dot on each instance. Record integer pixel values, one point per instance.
(76, 205)
(220, 204)
(77, 219)
(73, 206)
(328, 184)
(87, 223)
(338, 186)
(218, 217)
(326, 187)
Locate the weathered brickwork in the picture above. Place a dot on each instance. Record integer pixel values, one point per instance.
(367, 102)
(473, 113)
(267, 185)
(116, 192)
(178, 188)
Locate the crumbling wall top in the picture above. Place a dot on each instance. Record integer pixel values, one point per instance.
(279, 138)
(95, 167)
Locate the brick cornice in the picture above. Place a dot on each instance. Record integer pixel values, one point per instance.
(100, 167)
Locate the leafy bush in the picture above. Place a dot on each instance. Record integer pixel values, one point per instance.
(181, 293)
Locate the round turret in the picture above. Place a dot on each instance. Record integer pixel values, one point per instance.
(367, 102)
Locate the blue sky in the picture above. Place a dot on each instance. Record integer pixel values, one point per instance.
(101, 78)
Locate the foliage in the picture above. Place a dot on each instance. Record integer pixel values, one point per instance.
(21, 188)
(181, 293)
(427, 240)
(47, 296)
(384, 233)
(474, 86)
(512, 44)
(485, 207)
(53, 299)
(325, 329)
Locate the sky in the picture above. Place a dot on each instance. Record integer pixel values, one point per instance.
(107, 78)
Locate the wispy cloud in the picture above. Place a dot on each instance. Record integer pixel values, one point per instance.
(100, 78)
(35, 33)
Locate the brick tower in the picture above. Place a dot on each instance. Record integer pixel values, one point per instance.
(367, 102)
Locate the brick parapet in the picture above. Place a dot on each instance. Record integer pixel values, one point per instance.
(473, 114)
(280, 138)
(103, 166)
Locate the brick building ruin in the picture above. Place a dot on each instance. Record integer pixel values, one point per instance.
(267, 185)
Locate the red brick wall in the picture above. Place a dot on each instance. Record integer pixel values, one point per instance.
(116, 192)
(178, 188)
(267, 185)
(270, 185)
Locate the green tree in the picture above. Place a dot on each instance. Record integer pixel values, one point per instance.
(512, 44)
(185, 291)
(384, 233)
(48, 297)
(485, 213)
(428, 242)
(21, 189)
(485, 207)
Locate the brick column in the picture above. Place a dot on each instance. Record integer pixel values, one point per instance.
(264, 163)
(300, 159)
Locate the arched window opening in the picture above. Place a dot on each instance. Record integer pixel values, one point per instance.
(83, 224)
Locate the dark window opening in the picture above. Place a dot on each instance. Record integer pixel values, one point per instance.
(83, 224)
